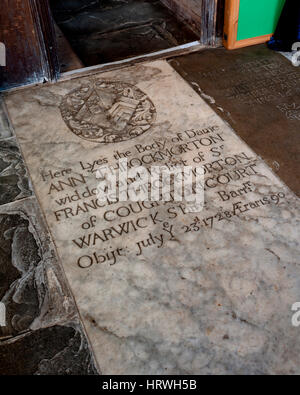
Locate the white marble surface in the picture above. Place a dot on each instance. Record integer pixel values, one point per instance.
(213, 300)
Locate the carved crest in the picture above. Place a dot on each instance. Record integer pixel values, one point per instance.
(108, 111)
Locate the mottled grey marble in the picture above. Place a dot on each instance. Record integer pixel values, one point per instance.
(183, 293)
(5, 129)
(43, 334)
(14, 181)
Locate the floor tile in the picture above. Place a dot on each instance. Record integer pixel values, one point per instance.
(257, 92)
(42, 334)
(109, 31)
(162, 289)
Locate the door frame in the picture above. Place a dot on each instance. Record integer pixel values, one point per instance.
(44, 25)
(39, 40)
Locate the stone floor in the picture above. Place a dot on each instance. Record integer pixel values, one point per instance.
(155, 288)
(106, 31)
(43, 332)
(160, 289)
(257, 91)
(68, 60)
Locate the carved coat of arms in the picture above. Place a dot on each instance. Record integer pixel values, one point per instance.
(108, 111)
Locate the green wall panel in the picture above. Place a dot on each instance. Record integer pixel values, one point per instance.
(258, 17)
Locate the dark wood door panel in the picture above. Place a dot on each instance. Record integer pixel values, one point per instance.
(24, 25)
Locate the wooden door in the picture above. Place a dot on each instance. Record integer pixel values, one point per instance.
(26, 30)
(201, 15)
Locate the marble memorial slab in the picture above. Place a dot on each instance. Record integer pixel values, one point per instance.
(162, 290)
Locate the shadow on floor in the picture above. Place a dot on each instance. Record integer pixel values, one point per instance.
(106, 31)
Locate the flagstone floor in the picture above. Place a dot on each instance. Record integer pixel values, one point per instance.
(257, 91)
(119, 288)
(103, 32)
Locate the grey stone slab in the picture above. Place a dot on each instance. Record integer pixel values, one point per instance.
(5, 129)
(101, 32)
(117, 17)
(160, 289)
(257, 92)
(42, 333)
(14, 181)
(26, 252)
(108, 47)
